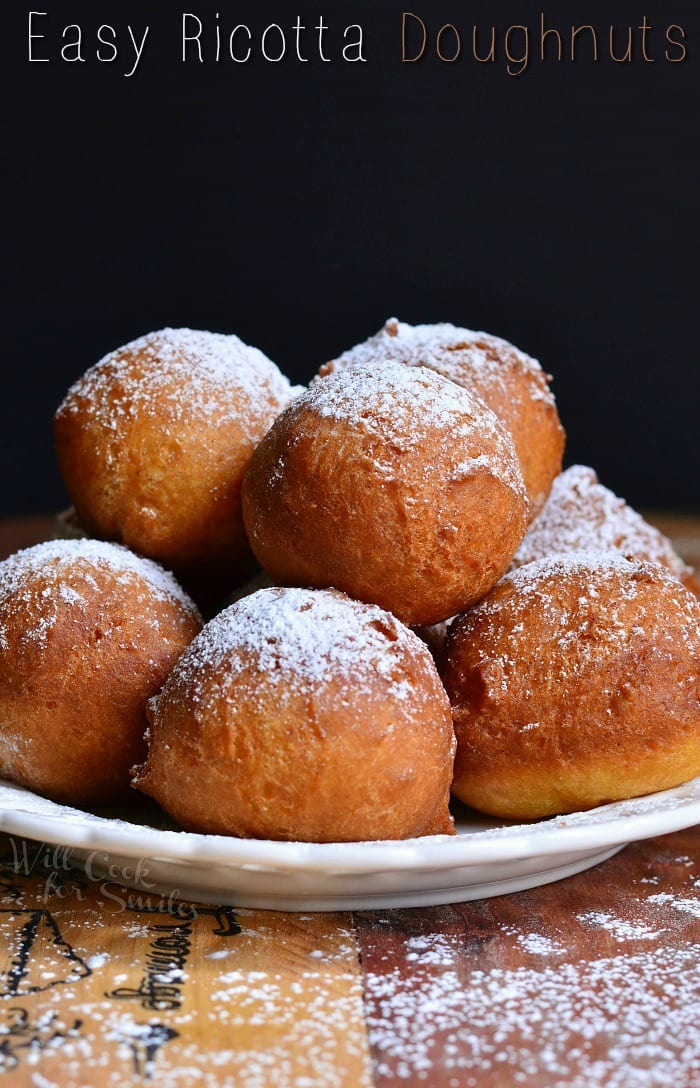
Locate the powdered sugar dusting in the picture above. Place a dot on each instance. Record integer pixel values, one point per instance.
(536, 944)
(197, 373)
(613, 608)
(69, 568)
(620, 928)
(403, 407)
(309, 638)
(679, 903)
(456, 353)
(443, 1008)
(613, 1022)
(602, 565)
(581, 514)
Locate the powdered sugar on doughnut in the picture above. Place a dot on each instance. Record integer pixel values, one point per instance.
(307, 637)
(450, 350)
(402, 406)
(58, 562)
(611, 608)
(598, 564)
(581, 514)
(196, 373)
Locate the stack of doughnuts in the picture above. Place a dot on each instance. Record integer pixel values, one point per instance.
(415, 484)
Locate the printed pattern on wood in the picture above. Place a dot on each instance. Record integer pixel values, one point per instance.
(105, 986)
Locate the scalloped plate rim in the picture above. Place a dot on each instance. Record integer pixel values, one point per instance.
(25, 813)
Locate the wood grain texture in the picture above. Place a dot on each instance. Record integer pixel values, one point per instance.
(593, 981)
(16, 533)
(105, 986)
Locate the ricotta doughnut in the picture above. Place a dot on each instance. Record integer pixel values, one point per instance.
(582, 515)
(153, 441)
(512, 384)
(303, 715)
(574, 683)
(392, 484)
(88, 632)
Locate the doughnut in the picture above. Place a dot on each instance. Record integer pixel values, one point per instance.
(301, 714)
(581, 514)
(392, 484)
(512, 384)
(153, 441)
(88, 633)
(574, 683)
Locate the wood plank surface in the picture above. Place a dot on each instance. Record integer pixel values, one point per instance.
(104, 987)
(593, 981)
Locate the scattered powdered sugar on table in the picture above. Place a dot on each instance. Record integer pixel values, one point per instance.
(428, 948)
(99, 959)
(68, 568)
(40, 1081)
(309, 637)
(686, 906)
(537, 944)
(197, 373)
(581, 514)
(615, 1022)
(619, 928)
(459, 354)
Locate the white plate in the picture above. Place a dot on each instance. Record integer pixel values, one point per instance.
(485, 857)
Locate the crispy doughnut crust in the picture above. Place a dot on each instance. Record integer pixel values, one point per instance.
(88, 632)
(153, 441)
(303, 715)
(511, 383)
(574, 683)
(393, 485)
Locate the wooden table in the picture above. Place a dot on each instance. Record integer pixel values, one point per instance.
(593, 981)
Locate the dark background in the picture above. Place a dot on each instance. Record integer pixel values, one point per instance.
(299, 205)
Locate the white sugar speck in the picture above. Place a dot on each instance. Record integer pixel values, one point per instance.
(620, 928)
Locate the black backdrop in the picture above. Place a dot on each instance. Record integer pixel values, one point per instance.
(300, 204)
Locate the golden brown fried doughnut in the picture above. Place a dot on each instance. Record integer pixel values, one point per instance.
(302, 714)
(512, 384)
(88, 633)
(153, 442)
(392, 484)
(581, 514)
(574, 683)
